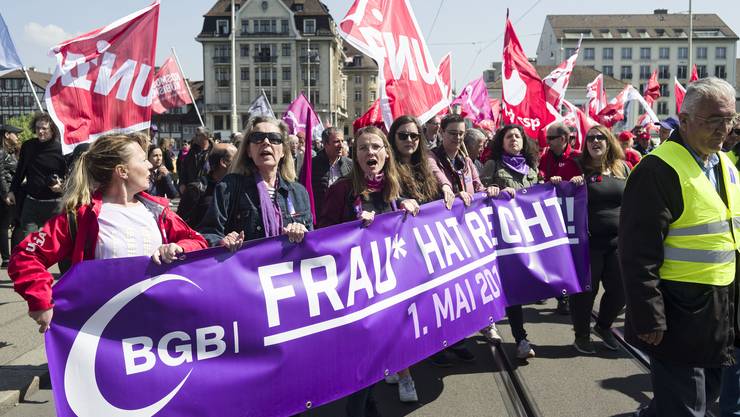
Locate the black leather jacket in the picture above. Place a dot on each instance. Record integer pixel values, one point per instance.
(8, 165)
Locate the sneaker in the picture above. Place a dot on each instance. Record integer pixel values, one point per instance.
(563, 308)
(463, 354)
(440, 360)
(524, 350)
(584, 345)
(392, 379)
(491, 334)
(4, 264)
(607, 338)
(407, 390)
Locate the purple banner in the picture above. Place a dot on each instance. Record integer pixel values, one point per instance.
(277, 328)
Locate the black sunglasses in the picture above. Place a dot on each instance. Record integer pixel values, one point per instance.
(593, 138)
(553, 137)
(408, 135)
(259, 137)
(735, 131)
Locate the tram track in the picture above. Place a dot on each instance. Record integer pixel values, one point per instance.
(519, 401)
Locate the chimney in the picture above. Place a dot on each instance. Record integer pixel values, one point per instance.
(660, 11)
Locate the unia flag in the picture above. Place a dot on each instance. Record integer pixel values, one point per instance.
(103, 79)
(169, 90)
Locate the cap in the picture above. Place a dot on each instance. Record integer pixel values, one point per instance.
(669, 123)
(10, 128)
(626, 135)
(153, 127)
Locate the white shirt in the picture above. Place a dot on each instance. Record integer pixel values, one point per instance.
(126, 231)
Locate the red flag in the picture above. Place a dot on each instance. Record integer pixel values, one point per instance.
(169, 88)
(372, 117)
(614, 111)
(445, 74)
(305, 174)
(387, 31)
(694, 74)
(522, 91)
(679, 92)
(596, 96)
(577, 118)
(652, 89)
(557, 81)
(102, 81)
(473, 101)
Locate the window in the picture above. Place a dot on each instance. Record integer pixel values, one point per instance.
(373, 79)
(644, 72)
(569, 52)
(358, 112)
(607, 53)
(223, 77)
(222, 27)
(244, 73)
(286, 49)
(4, 101)
(265, 26)
(245, 26)
(286, 74)
(27, 100)
(588, 54)
(720, 52)
(284, 26)
(664, 53)
(701, 70)
(265, 77)
(286, 97)
(605, 33)
(645, 53)
(626, 53)
(222, 54)
(608, 70)
(358, 79)
(664, 91)
(719, 71)
(358, 95)
(664, 72)
(662, 107)
(373, 95)
(626, 72)
(701, 52)
(309, 26)
(682, 71)
(244, 50)
(218, 122)
(683, 52)
(624, 33)
(643, 33)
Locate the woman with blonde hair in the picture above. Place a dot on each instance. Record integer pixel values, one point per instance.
(605, 173)
(260, 196)
(105, 214)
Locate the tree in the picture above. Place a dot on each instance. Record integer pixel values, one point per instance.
(22, 122)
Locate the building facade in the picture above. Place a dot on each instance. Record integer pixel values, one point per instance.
(631, 47)
(284, 48)
(16, 96)
(362, 84)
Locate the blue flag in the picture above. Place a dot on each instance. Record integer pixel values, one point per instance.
(9, 58)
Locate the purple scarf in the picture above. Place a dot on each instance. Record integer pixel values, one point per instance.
(516, 163)
(375, 184)
(272, 218)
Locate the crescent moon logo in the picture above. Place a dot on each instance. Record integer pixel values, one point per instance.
(80, 382)
(514, 88)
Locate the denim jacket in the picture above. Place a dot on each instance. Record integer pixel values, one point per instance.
(219, 220)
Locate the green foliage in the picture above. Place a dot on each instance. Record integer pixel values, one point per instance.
(22, 122)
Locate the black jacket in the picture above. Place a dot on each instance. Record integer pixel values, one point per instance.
(194, 165)
(227, 215)
(697, 319)
(8, 165)
(320, 176)
(196, 199)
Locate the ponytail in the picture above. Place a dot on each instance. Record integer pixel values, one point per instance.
(77, 188)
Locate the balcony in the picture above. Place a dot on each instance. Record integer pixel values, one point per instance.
(266, 34)
(221, 59)
(265, 82)
(314, 81)
(305, 59)
(218, 107)
(265, 58)
(223, 83)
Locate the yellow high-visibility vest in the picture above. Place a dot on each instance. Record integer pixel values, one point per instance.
(702, 243)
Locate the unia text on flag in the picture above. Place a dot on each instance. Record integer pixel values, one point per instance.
(102, 81)
(473, 101)
(522, 91)
(169, 89)
(679, 91)
(297, 116)
(408, 80)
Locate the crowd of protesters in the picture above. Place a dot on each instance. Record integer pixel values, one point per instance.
(661, 217)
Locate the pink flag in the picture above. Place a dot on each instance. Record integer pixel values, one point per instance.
(372, 117)
(679, 92)
(103, 79)
(305, 174)
(523, 94)
(557, 81)
(387, 31)
(445, 74)
(169, 88)
(596, 96)
(296, 117)
(652, 89)
(473, 101)
(694, 74)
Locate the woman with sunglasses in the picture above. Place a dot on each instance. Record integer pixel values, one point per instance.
(605, 173)
(259, 197)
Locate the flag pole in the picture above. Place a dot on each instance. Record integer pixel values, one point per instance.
(234, 117)
(187, 84)
(33, 89)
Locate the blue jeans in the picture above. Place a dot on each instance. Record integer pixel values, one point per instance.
(729, 397)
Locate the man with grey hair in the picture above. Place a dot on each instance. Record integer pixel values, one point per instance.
(678, 255)
(328, 165)
(474, 141)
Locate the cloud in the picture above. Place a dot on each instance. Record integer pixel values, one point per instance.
(45, 36)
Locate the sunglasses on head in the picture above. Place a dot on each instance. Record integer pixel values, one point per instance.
(593, 138)
(408, 135)
(259, 137)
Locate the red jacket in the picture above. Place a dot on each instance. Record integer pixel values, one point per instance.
(564, 166)
(40, 250)
(632, 157)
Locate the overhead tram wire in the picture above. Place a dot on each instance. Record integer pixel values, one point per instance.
(434, 22)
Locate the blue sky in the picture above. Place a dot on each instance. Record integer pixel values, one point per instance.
(470, 29)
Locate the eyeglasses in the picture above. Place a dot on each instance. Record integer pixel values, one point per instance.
(573, 137)
(553, 137)
(457, 133)
(594, 138)
(717, 122)
(735, 131)
(413, 136)
(259, 137)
